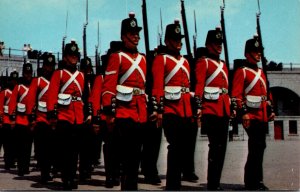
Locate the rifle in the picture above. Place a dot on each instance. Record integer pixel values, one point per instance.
(97, 58)
(160, 34)
(84, 33)
(145, 22)
(149, 54)
(186, 33)
(232, 121)
(224, 36)
(160, 48)
(263, 59)
(195, 35)
(65, 36)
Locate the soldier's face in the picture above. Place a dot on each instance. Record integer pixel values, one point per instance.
(174, 44)
(71, 59)
(131, 39)
(214, 48)
(253, 57)
(48, 69)
(27, 76)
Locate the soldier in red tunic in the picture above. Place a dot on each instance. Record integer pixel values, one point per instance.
(254, 102)
(171, 101)
(87, 135)
(111, 161)
(17, 110)
(65, 107)
(37, 111)
(124, 99)
(6, 129)
(110, 136)
(213, 104)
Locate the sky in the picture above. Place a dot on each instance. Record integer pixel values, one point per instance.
(42, 23)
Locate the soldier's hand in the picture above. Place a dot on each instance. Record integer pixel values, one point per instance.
(271, 117)
(88, 120)
(96, 129)
(199, 113)
(198, 122)
(246, 121)
(153, 116)
(13, 124)
(32, 125)
(159, 120)
(233, 114)
(53, 123)
(110, 120)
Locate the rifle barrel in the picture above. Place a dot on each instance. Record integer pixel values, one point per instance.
(185, 28)
(263, 59)
(224, 38)
(145, 22)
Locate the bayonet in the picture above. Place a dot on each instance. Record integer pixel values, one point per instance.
(195, 35)
(65, 36)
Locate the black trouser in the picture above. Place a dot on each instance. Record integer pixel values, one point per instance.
(190, 143)
(85, 150)
(217, 132)
(68, 141)
(111, 151)
(7, 139)
(44, 143)
(96, 147)
(24, 139)
(151, 146)
(130, 148)
(175, 132)
(56, 154)
(256, 147)
(1, 137)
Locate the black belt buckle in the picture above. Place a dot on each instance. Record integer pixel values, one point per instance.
(183, 89)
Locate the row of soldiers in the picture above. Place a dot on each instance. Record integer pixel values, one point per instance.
(66, 107)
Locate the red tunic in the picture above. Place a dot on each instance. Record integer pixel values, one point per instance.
(242, 78)
(95, 96)
(38, 92)
(118, 65)
(5, 96)
(162, 67)
(74, 111)
(19, 95)
(204, 69)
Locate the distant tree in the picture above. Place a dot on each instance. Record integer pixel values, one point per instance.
(272, 66)
(279, 66)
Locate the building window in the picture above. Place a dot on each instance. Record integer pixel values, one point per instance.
(293, 127)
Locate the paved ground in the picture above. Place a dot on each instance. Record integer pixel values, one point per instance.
(281, 170)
